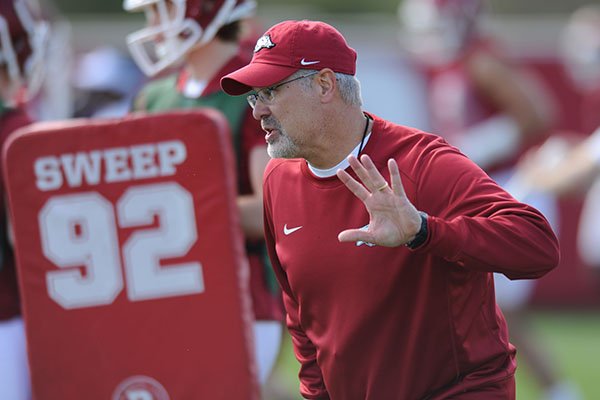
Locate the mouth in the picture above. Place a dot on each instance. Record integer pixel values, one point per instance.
(270, 134)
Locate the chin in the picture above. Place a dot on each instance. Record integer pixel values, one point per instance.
(279, 152)
(273, 153)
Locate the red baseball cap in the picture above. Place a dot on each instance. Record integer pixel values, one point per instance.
(287, 47)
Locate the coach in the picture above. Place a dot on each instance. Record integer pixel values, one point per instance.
(402, 305)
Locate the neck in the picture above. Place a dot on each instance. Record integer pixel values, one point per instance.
(205, 61)
(344, 132)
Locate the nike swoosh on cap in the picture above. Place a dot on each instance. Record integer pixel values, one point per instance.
(289, 231)
(304, 62)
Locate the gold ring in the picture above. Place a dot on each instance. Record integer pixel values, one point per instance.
(383, 187)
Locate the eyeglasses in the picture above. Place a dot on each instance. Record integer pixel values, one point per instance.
(267, 94)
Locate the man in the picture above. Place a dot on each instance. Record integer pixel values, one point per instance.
(565, 167)
(204, 38)
(493, 111)
(23, 36)
(402, 305)
(478, 100)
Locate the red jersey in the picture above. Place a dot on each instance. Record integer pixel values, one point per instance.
(371, 322)
(10, 120)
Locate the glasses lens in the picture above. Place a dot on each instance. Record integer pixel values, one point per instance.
(252, 99)
(268, 94)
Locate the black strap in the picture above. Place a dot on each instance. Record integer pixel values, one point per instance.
(421, 236)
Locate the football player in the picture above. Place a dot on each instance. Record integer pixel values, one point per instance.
(23, 36)
(493, 113)
(561, 166)
(477, 101)
(200, 41)
(581, 52)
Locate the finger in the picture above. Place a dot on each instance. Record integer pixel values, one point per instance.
(356, 188)
(378, 181)
(374, 175)
(354, 235)
(362, 173)
(397, 185)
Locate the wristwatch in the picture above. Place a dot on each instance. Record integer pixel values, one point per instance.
(421, 236)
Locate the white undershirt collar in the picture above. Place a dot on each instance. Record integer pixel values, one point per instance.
(329, 172)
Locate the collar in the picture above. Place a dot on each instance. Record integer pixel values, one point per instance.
(329, 172)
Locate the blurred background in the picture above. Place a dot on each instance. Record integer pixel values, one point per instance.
(93, 75)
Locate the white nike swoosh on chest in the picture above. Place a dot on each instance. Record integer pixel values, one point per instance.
(289, 231)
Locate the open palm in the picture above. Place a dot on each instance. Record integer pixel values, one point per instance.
(394, 221)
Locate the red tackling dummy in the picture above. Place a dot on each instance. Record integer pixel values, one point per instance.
(131, 259)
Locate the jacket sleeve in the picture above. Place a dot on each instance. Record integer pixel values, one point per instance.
(311, 378)
(475, 223)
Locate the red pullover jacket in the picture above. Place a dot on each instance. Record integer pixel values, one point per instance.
(371, 322)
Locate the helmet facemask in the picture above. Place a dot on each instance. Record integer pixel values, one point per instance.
(23, 50)
(174, 33)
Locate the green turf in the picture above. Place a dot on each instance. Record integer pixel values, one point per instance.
(572, 338)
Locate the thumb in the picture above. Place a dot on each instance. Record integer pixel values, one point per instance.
(354, 235)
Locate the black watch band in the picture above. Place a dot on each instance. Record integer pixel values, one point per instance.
(421, 236)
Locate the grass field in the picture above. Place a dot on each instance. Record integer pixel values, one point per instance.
(573, 338)
(574, 342)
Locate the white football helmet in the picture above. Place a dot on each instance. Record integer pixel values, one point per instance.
(23, 43)
(175, 26)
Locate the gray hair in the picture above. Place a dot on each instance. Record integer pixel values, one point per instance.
(348, 86)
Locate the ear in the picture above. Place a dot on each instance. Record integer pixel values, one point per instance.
(326, 84)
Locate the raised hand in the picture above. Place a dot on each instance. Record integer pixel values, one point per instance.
(394, 221)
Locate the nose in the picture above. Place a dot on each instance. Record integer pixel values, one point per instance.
(260, 110)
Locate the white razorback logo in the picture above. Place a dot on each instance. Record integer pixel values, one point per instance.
(264, 42)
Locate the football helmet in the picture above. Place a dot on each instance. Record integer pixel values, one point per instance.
(436, 31)
(23, 41)
(175, 26)
(580, 47)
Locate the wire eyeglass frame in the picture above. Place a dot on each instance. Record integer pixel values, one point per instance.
(267, 94)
